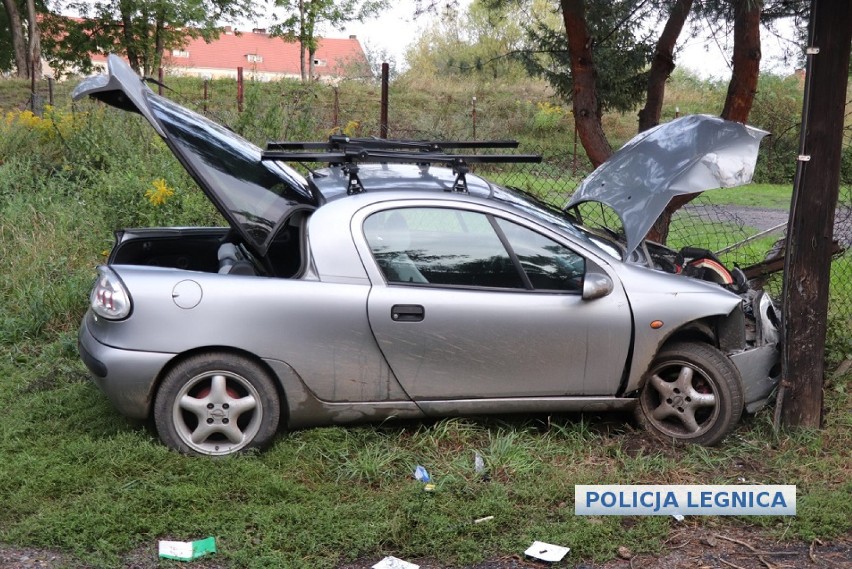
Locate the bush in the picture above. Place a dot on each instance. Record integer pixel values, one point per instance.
(778, 109)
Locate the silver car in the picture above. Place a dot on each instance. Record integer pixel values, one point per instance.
(373, 289)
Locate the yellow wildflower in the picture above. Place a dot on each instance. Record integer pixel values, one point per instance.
(160, 193)
(351, 128)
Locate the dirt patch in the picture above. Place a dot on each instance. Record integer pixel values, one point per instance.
(687, 548)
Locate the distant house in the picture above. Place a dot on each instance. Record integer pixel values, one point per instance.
(262, 57)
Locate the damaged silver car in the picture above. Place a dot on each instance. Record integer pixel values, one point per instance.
(392, 282)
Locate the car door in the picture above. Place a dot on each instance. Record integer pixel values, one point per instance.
(472, 305)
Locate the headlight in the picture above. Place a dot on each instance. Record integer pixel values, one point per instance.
(109, 298)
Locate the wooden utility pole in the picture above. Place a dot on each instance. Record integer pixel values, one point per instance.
(811, 226)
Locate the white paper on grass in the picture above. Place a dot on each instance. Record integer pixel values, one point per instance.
(547, 551)
(176, 549)
(391, 562)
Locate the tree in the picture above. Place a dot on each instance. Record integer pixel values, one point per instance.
(481, 43)
(33, 40)
(16, 34)
(142, 30)
(742, 88)
(663, 64)
(303, 18)
(24, 43)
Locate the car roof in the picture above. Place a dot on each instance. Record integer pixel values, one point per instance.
(332, 183)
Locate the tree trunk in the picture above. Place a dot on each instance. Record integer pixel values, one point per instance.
(144, 51)
(741, 91)
(302, 40)
(809, 238)
(127, 31)
(584, 79)
(34, 43)
(663, 65)
(746, 60)
(18, 44)
(159, 40)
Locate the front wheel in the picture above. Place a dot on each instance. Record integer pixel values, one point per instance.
(216, 404)
(692, 393)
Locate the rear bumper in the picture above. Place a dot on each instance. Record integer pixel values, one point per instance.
(126, 377)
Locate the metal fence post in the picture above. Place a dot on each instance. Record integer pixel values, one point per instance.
(32, 87)
(474, 117)
(239, 89)
(335, 119)
(383, 124)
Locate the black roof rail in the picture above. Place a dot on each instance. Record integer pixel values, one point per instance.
(341, 142)
(349, 152)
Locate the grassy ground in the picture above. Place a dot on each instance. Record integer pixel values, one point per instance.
(770, 196)
(78, 478)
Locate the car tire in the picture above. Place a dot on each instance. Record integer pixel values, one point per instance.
(216, 404)
(692, 394)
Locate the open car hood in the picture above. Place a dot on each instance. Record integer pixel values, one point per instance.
(255, 196)
(687, 155)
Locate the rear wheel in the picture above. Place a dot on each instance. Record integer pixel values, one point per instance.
(216, 404)
(692, 393)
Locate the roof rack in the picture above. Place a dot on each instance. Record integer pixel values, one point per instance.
(349, 152)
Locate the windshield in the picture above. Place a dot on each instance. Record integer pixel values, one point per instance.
(256, 195)
(545, 212)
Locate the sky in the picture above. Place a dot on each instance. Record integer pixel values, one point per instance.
(707, 56)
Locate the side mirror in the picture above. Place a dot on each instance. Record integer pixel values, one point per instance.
(596, 285)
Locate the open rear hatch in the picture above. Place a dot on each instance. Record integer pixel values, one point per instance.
(256, 197)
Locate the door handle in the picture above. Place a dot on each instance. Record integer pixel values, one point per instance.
(407, 313)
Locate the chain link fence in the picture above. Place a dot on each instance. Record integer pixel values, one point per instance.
(741, 236)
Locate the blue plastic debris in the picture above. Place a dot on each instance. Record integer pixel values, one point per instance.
(421, 474)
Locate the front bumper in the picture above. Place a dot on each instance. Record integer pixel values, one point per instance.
(126, 377)
(760, 370)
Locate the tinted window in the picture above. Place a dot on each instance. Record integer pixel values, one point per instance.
(549, 265)
(256, 194)
(439, 246)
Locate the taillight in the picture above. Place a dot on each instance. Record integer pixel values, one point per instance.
(109, 298)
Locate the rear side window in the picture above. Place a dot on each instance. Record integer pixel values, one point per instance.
(440, 246)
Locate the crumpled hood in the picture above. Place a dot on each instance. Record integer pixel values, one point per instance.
(687, 155)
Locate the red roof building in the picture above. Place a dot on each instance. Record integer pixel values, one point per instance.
(262, 57)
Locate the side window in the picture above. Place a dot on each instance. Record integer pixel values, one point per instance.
(440, 246)
(549, 265)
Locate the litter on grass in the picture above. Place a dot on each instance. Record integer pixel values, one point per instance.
(478, 463)
(391, 562)
(421, 474)
(187, 550)
(485, 519)
(678, 517)
(547, 551)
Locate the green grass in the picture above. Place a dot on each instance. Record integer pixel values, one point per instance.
(80, 479)
(770, 196)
